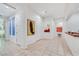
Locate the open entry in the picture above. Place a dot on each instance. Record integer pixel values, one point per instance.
(2, 31)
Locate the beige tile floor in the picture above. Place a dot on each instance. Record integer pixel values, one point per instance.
(44, 47)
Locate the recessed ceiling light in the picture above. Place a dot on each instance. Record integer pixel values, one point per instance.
(6, 6)
(44, 12)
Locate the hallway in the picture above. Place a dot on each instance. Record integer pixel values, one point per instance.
(39, 29)
(44, 47)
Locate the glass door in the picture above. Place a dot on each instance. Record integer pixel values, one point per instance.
(2, 32)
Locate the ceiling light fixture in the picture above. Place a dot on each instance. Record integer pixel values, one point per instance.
(9, 6)
(44, 12)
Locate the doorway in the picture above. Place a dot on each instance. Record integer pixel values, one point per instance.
(2, 32)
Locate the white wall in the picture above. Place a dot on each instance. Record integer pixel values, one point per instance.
(52, 33)
(72, 24)
(21, 16)
(72, 43)
(38, 28)
(20, 29)
(21, 37)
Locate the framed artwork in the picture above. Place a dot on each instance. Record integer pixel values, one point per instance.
(30, 27)
(47, 28)
(58, 29)
(12, 30)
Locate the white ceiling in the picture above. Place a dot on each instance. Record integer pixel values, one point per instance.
(6, 10)
(56, 10)
(49, 9)
(44, 9)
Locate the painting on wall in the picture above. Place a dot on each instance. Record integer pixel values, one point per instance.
(12, 26)
(30, 27)
(47, 28)
(58, 29)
